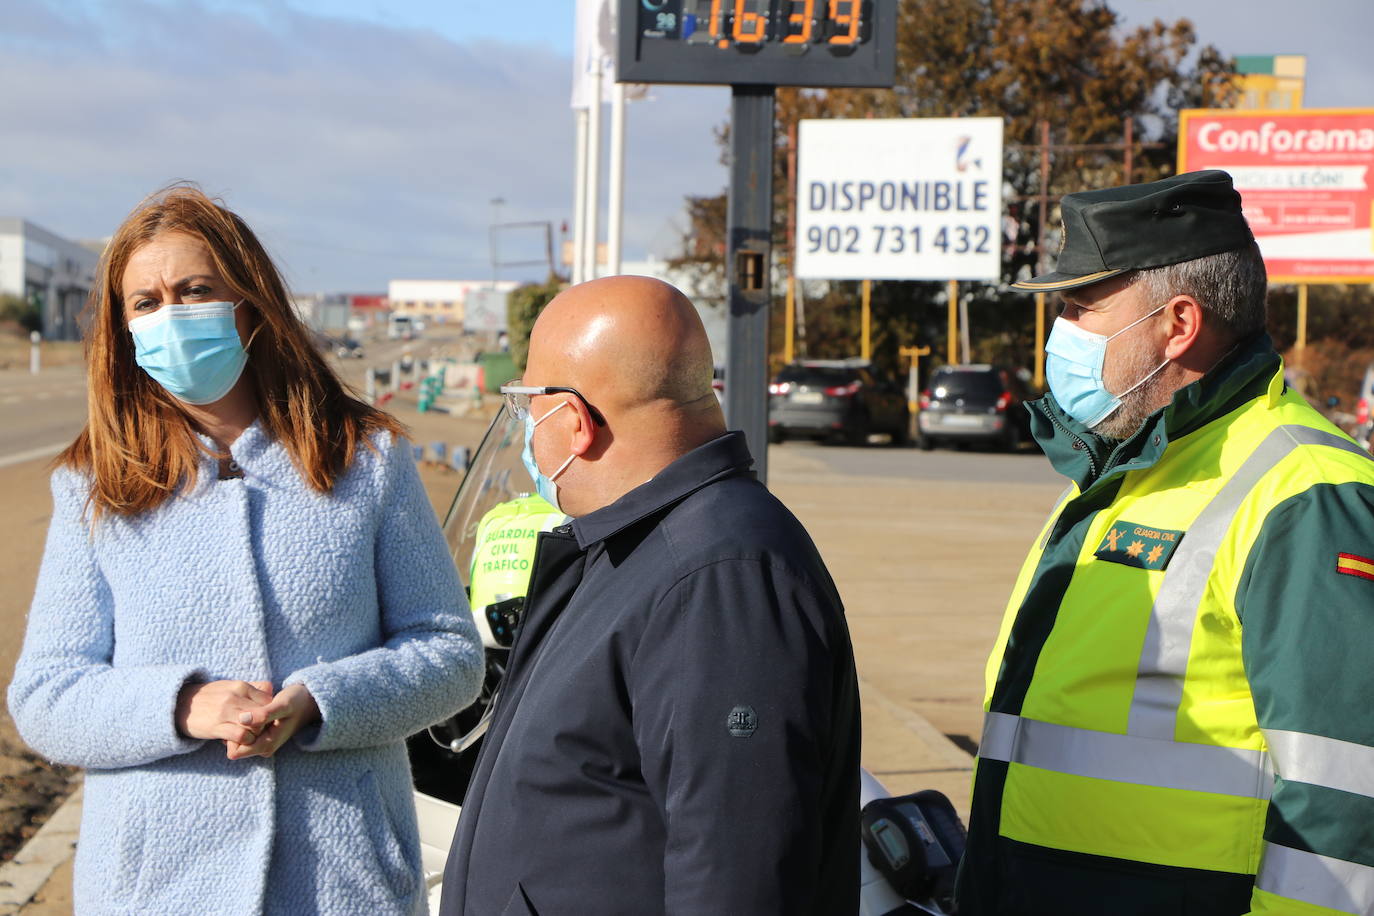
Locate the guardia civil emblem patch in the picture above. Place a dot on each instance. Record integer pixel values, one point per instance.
(1141, 546)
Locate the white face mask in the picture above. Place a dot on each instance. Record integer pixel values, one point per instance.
(543, 485)
(1074, 361)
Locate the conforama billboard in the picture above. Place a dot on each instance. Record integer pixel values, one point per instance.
(1305, 179)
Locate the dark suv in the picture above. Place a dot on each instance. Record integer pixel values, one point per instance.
(835, 399)
(974, 403)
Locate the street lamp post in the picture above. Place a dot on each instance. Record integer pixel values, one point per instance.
(494, 238)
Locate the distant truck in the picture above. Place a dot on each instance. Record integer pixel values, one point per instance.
(400, 327)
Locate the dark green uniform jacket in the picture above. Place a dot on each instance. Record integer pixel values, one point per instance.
(1216, 761)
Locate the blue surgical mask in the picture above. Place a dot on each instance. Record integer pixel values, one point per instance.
(1074, 359)
(191, 349)
(544, 486)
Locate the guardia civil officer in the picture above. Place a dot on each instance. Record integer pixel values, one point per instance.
(1178, 704)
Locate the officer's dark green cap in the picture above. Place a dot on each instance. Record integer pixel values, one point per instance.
(1115, 230)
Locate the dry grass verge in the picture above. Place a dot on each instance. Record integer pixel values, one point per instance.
(14, 351)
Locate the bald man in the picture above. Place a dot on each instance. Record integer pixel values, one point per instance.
(678, 728)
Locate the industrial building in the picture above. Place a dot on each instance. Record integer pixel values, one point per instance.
(438, 301)
(53, 273)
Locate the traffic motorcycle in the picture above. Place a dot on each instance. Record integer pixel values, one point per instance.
(909, 846)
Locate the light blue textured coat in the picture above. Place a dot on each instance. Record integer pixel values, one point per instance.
(260, 578)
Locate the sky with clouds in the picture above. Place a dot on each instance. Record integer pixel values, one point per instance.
(365, 139)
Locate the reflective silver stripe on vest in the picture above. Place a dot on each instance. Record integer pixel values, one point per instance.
(1169, 636)
(1054, 516)
(1126, 758)
(1319, 761)
(1319, 880)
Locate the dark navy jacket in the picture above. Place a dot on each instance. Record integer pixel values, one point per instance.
(678, 730)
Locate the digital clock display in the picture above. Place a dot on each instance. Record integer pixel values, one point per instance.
(763, 42)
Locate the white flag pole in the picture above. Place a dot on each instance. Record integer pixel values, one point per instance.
(585, 13)
(579, 222)
(616, 208)
(593, 192)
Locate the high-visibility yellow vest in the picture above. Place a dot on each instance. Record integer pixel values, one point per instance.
(1137, 737)
(503, 556)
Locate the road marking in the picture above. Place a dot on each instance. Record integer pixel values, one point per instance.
(32, 454)
(43, 395)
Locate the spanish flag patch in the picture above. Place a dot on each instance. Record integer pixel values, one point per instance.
(1352, 565)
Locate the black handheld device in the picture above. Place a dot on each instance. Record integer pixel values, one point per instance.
(916, 842)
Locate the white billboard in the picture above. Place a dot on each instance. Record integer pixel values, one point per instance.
(899, 199)
(485, 310)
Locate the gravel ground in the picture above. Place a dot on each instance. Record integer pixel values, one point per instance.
(30, 790)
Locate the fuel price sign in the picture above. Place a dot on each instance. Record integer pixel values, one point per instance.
(818, 43)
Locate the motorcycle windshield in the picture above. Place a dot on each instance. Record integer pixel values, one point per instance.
(495, 490)
(495, 475)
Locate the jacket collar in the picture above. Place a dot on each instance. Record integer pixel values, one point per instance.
(725, 456)
(1250, 370)
(253, 451)
(252, 442)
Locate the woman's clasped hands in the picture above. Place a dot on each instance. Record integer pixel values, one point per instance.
(245, 715)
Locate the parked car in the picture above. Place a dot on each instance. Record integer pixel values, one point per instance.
(347, 348)
(1364, 410)
(835, 399)
(974, 404)
(342, 347)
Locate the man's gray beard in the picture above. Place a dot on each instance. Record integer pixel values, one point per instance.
(1135, 407)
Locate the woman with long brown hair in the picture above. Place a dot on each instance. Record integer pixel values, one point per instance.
(245, 603)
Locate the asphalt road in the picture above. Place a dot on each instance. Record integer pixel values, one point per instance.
(1027, 466)
(39, 413)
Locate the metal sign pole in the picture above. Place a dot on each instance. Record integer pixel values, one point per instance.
(753, 51)
(749, 221)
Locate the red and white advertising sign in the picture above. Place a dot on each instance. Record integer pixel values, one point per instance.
(1306, 178)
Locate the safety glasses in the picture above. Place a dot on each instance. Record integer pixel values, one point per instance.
(518, 399)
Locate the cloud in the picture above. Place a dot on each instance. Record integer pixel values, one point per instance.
(359, 152)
